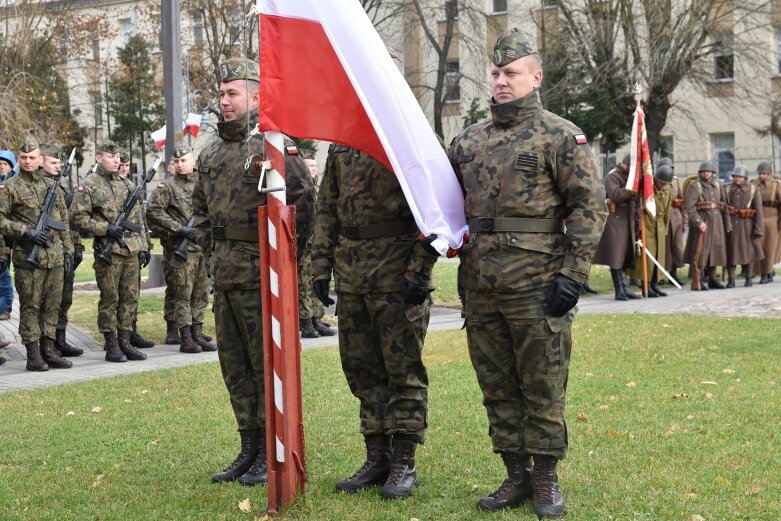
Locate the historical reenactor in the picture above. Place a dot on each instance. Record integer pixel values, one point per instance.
(224, 206)
(616, 246)
(95, 207)
(38, 280)
(706, 245)
(679, 222)
(744, 244)
(525, 171)
(169, 211)
(771, 215)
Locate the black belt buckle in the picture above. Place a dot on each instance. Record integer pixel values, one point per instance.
(485, 224)
(351, 231)
(218, 232)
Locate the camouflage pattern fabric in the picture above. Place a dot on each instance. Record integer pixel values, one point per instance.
(39, 292)
(169, 299)
(118, 285)
(381, 346)
(510, 46)
(521, 358)
(309, 306)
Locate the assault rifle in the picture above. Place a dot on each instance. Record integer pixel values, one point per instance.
(181, 250)
(105, 252)
(45, 221)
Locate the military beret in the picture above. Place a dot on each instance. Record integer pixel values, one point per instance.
(29, 145)
(124, 157)
(182, 150)
(239, 69)
(108, 146)
(510, 46)
(50, 149)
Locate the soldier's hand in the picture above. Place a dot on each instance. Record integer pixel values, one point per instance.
(67, 264)
(425, 242)
(702, 227)
(320, 287)
(414, 295)
(562, 295)
(4, 264)
(187, 231)
(37, 237)
(143, 258)
(114, 231)
(77, 258)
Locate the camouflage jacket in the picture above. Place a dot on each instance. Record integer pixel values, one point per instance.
(21, 202)
(358, 191)
(170, 207)
(98, 202)
(226, 198)
(527, 162)
(78, 247)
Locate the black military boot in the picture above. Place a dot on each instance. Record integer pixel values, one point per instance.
(322, 328)
(111, 347)
(764, 279)
(196, 331)
(130, 352)
(516, 489)
(138, 341)
(307, 329)
(187, 344)
(402, 475)
(171, 334)
(713, 282)
(749, 281)
(258, 472)
(730, 282)
(618, 284)
(587, 289)
(61, 345)
(631, 295)
(34, 360)
(654, 286)
(375, 469)
(54, 360)
(244, 460)
(548, 499)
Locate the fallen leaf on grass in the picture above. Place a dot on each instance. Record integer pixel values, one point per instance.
(70, 413)
(754, 489)
(582, 417)
(154, 442)
(98, 481)
(127, 400)
(690, 496)
(697, 517)
(708, 382)
(245, 506)
(612, 433)
(68, 469)
(145, 391)
(677, 396)
(264, 518)
(96, 409)
(666, 325)
(709, 396)
(631, 384)
(414, 519)
(728, 371)
(721, 482)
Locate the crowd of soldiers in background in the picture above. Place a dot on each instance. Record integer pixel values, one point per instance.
(698, 221)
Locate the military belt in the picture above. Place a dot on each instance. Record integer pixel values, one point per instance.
(774, 204)
(746, 213)
(677, 203)
(705, 205)
(235, 233)
(515, 224)
(373, 231)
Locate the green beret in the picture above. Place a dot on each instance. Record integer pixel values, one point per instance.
(124, 157)
(510, 46)
(51, 150)
(108, 146)
(182, 150)
(239, 69)
(29, 145)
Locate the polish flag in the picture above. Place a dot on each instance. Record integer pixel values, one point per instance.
(326, 74)
(158, 136)
(640, 173)
(192, 124)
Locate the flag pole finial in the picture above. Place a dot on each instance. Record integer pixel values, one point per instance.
(638, 92)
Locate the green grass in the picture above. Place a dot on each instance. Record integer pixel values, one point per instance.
(670, 417)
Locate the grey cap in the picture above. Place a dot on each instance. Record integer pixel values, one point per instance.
(664, 174)
(510, 46)
(707, 166)
(764, 167)
(741, 171)
(665, 161)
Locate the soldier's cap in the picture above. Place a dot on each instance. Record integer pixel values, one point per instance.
(108, 146)
(51, 150)
(510, 46)
(764, 167)
(740, 171)
(182, 150)
(627, 159)
(707, 166)
(29, 145)
(124, 157)
(239, 69)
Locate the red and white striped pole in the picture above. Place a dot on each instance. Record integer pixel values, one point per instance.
(281, 341)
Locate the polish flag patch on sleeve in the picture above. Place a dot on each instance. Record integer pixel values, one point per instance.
(292, 150)
(580, 139)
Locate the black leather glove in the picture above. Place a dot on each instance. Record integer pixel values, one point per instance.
(4, 264)
(143, 258)
(39, 238)
(320, 288)
(414, 295)
(77, 258)
(67, 263)
(114, 231)
(426, 243)
(186, 231)
(562, 295)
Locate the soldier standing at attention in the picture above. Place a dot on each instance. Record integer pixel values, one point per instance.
(39, 287)
(365, 234)
(771, 214)
(225, 201)
(679, 222)
(524, 172)
(51, 169)
(744, 244)
(169, 210)
(95, 207)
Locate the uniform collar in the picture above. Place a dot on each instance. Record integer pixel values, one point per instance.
(188, 178)
(236, 130)
(514, 112)
(106, 173)
(35, 175)
(713, 180)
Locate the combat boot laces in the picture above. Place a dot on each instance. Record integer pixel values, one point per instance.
(547, 498)
(514, 490)
(247, 455)
(258, 472)
(375, 469)
(403, 475)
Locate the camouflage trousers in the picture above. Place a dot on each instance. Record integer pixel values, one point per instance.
(239, 324)
(169, 301)
(66, 302)
(190, 281)
(381, 346)
(118, 285)
(521, 358)
(39, 292)
(309, 306)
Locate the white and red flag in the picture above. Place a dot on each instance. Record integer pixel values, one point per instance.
(326, 74)
(158, 136)
(192, 125)
(640, 173)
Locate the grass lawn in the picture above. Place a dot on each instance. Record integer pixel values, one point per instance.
(680, 423)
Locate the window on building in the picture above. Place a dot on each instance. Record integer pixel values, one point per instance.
(724, 152)
(452, 82)
(198, 37)
(500, 6)
(97, 107)
(126, 26)
(96, 49)
(723, 57)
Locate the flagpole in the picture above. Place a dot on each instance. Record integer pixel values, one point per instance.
(642, 201)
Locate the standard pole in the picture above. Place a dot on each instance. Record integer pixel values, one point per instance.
(172, 75)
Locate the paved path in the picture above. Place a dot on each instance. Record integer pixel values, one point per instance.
(758, 301)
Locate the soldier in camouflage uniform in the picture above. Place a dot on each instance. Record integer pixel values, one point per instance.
(365, 234)
(39, 286)
(51, 168)
(171, 333)
(524, 172)
(169, 211)
(95, 208)
(225, 201)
